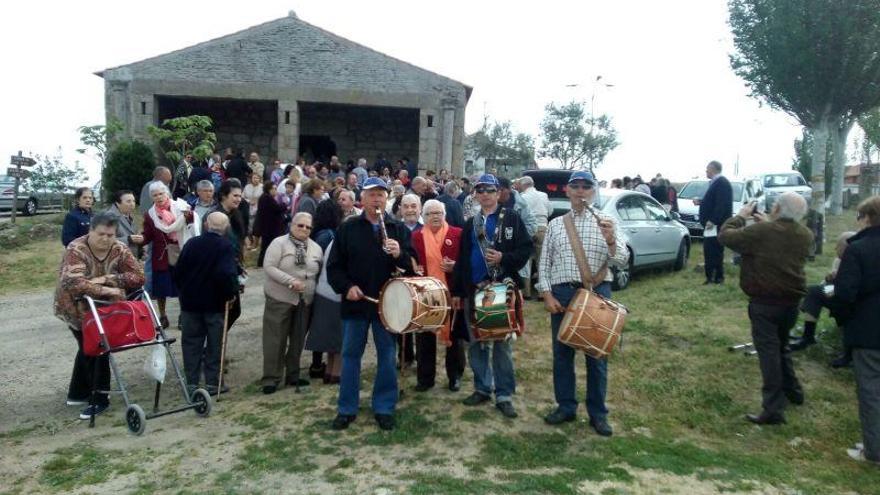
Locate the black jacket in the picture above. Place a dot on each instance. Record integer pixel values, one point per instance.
(357, 258)
(515, 246)
(239, 169)
(717, 204)
(454, 213)
(857, 290)
(206, 274)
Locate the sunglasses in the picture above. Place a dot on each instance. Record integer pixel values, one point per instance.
(485, 190)
(580, 186)
(304, 226)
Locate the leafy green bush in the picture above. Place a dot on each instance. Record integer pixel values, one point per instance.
(129, 166)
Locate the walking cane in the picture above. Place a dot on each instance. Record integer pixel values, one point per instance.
(223, 349)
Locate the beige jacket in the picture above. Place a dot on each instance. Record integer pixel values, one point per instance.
(281, 270)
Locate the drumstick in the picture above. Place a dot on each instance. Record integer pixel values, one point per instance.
(372, 300)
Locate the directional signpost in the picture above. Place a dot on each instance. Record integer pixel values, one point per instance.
(19, 174)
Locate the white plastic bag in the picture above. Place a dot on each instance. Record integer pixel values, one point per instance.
(154, 366)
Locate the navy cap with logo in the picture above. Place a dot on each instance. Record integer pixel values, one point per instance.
(487, 180)
(374, 182)
(582, 175)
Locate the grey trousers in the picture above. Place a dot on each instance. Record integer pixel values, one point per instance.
(770, 328)
(201, 338)
(284, 334)
(866, 366)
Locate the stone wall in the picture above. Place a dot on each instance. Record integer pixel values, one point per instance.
(249, 125)
(363, 131)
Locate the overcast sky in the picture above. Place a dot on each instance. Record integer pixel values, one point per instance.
(674, 100)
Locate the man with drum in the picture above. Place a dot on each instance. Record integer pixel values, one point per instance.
(437, 248)
(490, 253)
(367, 251)
(558, 280)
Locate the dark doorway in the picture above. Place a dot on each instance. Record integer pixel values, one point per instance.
(319, 148)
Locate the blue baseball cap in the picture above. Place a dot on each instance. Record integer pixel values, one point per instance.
(373, 182)
(487, 180)
(582, 175)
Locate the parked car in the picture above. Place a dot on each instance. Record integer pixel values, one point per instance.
(654, 237)
(744, 191)
(782, 182)
(29, 200)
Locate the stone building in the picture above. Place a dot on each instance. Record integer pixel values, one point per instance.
(287, 88)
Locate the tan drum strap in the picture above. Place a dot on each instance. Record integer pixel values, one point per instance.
(580, 256)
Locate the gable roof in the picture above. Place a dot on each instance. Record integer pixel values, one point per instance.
(290, 51)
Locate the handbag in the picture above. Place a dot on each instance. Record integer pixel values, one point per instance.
(124, 323)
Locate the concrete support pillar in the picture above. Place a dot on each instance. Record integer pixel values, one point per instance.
(447, 139)
(288, 130)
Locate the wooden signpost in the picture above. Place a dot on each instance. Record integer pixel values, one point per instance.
(19, 174)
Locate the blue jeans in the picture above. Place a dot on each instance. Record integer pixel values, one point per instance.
(354, 340)
(499, 374)
(564, 386)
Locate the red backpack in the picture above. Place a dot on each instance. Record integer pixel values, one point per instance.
(124, 323)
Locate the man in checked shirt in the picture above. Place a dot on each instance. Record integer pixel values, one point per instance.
(559, 279)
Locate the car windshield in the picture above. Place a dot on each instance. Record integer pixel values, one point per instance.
(554, 186)
(697, 189)
(783, 180)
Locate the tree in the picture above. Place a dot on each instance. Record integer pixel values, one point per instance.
(870, 124)
(184, 135)
(98, 139)
(52, 174)
(129, 166)
(575, 138)
(803, 158)
(497, 143)
(813, 59)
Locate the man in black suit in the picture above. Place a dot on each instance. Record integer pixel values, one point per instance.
(716, 207)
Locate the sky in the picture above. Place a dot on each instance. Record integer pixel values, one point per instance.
(663, 70)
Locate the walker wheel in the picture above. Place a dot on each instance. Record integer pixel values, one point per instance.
(135, 419)
(202, 400)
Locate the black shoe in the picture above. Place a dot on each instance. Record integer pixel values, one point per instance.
(602, 427)
(297, 382)
(506, 409)
(475, 399)
(844, 361)
(455, 385)
(163, 320)
(269, 389)
(719, 281)
(707, 282)
(95, 410)
(385, 421)
(802, 343)
(796, 398)
(341, 421)
(212, 389)
(317, 371)
(422, 387)
(766, 419)
(558, 417)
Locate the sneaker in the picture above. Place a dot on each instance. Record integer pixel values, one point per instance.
(341, 421)
(475, 399)
(385, 421)
(77, 402)
(507, 409)
(95, 410)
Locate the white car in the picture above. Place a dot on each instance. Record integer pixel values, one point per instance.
(790, 181)
(744, 191)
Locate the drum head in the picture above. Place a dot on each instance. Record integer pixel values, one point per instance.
(397, 306)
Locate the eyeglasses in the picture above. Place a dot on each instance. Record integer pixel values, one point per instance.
(580, 186)
(304, 226)
(485, 190)
(434, 213)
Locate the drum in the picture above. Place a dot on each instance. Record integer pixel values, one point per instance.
(413, 304)
(496, 311)
(592, 324)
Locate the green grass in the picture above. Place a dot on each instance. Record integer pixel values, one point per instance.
(82, 466)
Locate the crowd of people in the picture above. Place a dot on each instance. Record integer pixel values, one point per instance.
(329, 236)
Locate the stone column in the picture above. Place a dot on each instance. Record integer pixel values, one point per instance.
(288, 130)
(447, 140)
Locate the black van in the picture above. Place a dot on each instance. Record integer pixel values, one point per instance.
(552, 182)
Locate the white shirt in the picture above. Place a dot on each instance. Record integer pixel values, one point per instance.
(539, 205)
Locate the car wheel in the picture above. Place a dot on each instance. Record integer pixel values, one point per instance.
(30, 207)
(682, 258)
(622, 276)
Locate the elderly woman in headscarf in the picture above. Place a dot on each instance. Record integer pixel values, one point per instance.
(292, 264)
(168, 224)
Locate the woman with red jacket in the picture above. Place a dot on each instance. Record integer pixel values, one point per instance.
(437, 249)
